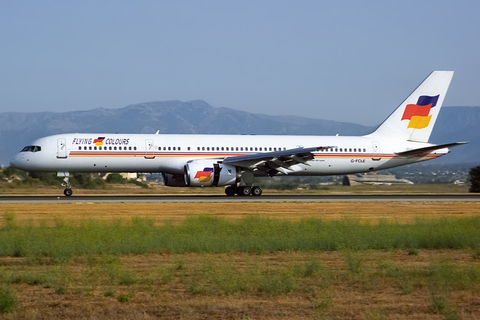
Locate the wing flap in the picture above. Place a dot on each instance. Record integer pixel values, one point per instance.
(276, 161)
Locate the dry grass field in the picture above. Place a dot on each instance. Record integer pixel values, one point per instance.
(162, 212)
(342, 284)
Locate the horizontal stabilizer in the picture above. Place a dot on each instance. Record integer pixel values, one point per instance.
(427, 150)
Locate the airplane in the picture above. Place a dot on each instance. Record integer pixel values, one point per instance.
(233, 161)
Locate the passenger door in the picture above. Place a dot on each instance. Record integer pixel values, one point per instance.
(149, 149)
(61, 148)
(376, 151)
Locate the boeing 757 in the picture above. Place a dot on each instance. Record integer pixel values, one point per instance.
(233, 161)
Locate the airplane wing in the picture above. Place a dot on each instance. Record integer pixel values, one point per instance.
(426, 150)
(274, 162)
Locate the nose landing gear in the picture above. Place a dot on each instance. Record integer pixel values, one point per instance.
(66, 183)
(68, 192)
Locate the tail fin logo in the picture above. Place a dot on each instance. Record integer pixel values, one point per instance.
(205, 175)
(418, 114)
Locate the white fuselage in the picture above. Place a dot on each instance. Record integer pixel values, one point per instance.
(168, 153)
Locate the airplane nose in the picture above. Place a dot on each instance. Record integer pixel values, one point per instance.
(16, 161)
(13, 161)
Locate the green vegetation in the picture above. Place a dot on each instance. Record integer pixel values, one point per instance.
(219, 275)
(311, 260)
(475, 179)
(253, 234)
(7, 301)
(20, 178)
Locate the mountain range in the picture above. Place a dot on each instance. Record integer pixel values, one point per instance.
(20, 129)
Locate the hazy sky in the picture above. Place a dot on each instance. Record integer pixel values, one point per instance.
(352, 61)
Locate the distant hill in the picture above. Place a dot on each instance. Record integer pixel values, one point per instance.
(456, 124)
(19, 129)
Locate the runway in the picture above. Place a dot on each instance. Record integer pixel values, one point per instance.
(222, 198)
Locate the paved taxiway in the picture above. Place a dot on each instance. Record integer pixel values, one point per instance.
(222, 198)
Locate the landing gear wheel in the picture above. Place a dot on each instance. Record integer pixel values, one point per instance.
(256, 191)
(66, 183)
(244, 191)
(230, 191)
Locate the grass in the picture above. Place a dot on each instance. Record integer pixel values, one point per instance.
(247, 267)
(253, 234)
(314, 280)
(8, 301)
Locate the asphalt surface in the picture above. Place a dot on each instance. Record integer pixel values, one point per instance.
(223, 198)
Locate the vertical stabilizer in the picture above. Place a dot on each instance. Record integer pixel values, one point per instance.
(414, 119)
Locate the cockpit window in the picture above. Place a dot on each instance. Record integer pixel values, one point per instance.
(32, 149)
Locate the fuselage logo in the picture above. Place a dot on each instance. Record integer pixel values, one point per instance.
(99, 141)
(419, 114)
(205, 175)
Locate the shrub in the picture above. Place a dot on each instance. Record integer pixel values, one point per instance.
(475, 179)
(7, 301)
(115, 178)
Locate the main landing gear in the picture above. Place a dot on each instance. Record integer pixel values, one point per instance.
(243, 191)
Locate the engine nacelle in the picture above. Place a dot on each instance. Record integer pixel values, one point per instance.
(171, 180)
(208, 173)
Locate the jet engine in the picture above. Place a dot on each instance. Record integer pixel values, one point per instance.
(207, 173)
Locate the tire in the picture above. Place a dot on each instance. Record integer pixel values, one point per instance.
(244, 191)
(68, 192)
(230, 191)
(256, 191)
